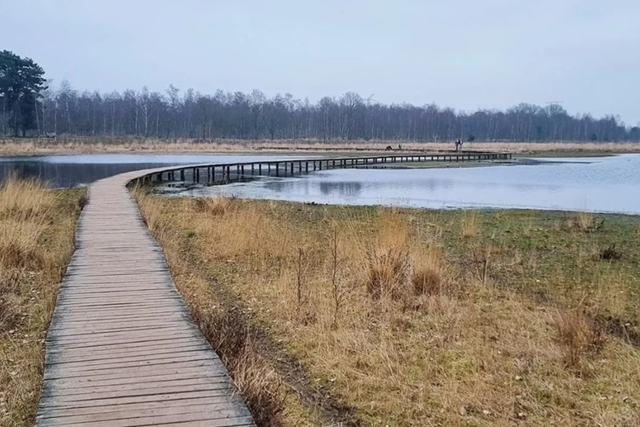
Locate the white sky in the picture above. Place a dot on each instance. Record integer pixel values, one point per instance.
(466, 54)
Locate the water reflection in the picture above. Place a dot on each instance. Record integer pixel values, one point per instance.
(73, 170)
(609, 184)
(343, 189)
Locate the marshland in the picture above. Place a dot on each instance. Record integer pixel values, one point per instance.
(495, 284)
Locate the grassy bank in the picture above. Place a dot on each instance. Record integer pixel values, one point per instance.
(73, 145)
(370, 316)
(36, 243)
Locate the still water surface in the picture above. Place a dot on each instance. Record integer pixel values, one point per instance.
(603, 184)
(78, 169)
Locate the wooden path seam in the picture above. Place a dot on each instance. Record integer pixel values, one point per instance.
(122, 350)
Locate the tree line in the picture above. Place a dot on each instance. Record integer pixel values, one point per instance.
(38, 109)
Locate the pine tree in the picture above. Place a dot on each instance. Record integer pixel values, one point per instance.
(21, 82)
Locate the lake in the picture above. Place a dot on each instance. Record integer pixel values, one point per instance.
(598, 184)
(78, 169)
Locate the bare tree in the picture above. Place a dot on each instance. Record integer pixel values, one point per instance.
(255, 116)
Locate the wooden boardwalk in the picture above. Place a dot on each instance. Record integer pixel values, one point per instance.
(122, 350)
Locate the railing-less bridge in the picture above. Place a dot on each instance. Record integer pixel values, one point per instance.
(222, 173)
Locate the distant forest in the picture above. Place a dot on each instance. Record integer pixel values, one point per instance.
(39, 109)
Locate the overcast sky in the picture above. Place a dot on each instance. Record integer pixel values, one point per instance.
(467, 54)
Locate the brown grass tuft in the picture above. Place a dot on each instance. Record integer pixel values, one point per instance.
(578, 334)
(427, 282)
(25, 208)
(427, 277)
(214, 206)
(585, 222)
(24, 200)
(470, 226)
(83, 201)
(388, 272)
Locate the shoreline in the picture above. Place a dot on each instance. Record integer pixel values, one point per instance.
(24, 147)
(451, 208)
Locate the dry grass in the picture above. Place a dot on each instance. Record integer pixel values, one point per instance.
(585, 222)
(470, 224)
(36, 242)
(429, 274)
(228, 333)
(579, 335)
(67, 144)
(213, 205)
(388, 272)
(389, 323)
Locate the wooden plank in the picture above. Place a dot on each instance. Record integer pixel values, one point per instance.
(214, 395)
(81, 383)
(138, 407)
(122, 349)
(109, 395)
(122, 417)
(138, 370)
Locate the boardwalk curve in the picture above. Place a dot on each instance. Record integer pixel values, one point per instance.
(122, 350)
